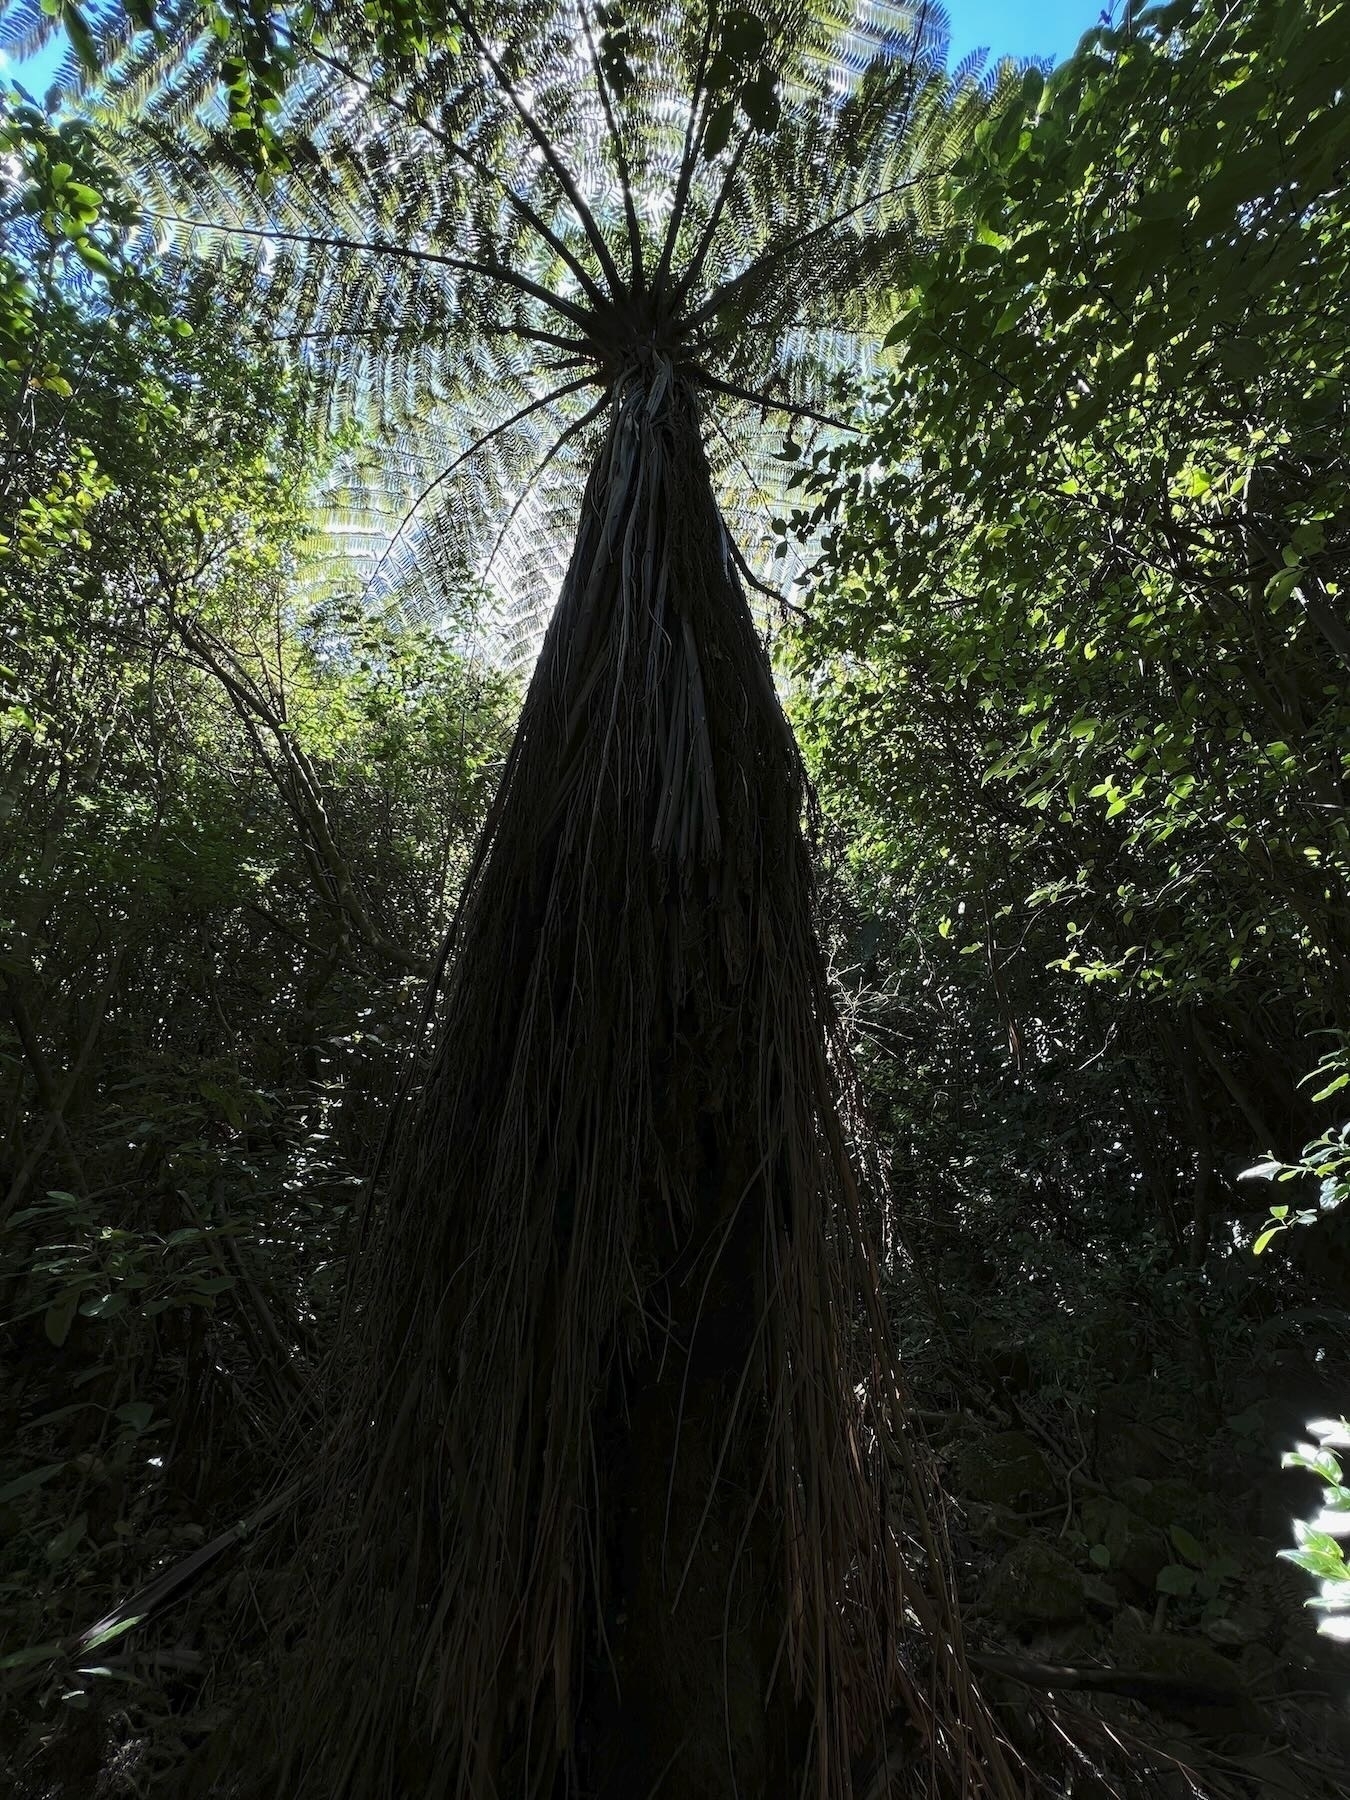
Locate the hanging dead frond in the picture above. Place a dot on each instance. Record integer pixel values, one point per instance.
(625, 1478)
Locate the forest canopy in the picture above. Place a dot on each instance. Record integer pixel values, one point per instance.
(674, 902)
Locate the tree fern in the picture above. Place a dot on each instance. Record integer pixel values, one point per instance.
(619, 1490)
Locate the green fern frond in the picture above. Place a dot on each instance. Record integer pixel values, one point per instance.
(465, 230)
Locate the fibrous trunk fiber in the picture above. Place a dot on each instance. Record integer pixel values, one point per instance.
(609, 1491)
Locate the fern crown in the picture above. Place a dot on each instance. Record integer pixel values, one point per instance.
(480, 219)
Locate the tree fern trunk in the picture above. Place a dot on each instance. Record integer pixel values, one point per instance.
(617, 1456)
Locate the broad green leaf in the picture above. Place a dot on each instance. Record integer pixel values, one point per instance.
(1176, 1579)
(24, 1484)
(36, 1653)
(59, 1316)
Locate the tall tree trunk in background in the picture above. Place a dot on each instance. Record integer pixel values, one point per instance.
(619, 1437)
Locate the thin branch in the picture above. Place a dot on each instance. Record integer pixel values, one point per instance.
(737, 554)
(779, 325)
(728, 289)
(1147, 1686)
(47, 1093)
(570, 387)
(770, 593)
(335, 337)
(554, 365)
(56, 1114)
(689, 279)
(295, 780)
(551, 338)
(693, 141)
(736, 455)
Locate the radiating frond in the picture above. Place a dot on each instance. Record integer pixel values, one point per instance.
(471, 243)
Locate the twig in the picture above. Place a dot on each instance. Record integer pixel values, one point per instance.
(56, 1115)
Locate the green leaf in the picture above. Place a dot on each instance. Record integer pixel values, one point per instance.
(1322, 1564)
(1165, 205)
(1323, 1463)
(24, 1484)
(89, 253)
(212, 1284)
(59, 1316)
(103, 1306)
(1187, 1546)
(101, 1638)
(1176, 1578)
(81, 38)
(67, 1541)
(744, 37)
(21, 1659)
(718, 132)
(759, 102)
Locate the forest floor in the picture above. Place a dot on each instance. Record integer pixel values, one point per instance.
(1117, 1513)
(1118, 1510)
